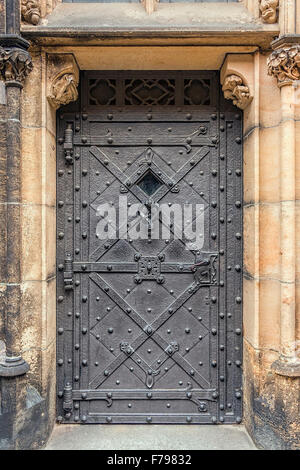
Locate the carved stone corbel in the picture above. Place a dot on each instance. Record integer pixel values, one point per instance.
(284, 64)
(236, 90)
(15, 64)
(237, 79)
(269, 11)
(63, 79)
(31, 11)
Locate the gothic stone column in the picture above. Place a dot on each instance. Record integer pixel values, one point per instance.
(284, 64)
(15, 65)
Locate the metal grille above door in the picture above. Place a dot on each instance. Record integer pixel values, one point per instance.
(149, 330)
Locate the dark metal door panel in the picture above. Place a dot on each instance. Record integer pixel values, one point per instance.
(149, 331)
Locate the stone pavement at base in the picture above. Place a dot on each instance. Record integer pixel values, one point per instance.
(154, 437)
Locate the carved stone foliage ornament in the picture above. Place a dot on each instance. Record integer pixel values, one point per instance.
(269, 10)
(31, 12)
(15, 64)
(64, 79)
(234, 89)
(284, 64)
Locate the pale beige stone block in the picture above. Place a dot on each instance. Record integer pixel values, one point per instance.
(31, 176)
(269, 315)
(269, 96)
(251, 311)
(297, 223)
(32, 96)
(269, 240)
(251, 240)
(297, 326)
(50, 170)
(31, 318)
(251, 167)
(50, 119)
(49, 254)
(297, 142)
(269, 164)
(31, 242)
(49, 333)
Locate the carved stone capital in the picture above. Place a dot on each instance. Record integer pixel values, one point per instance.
(15, 64)
(31, 11)
(63, 79)
(269, 10)
(284, 64)
(234, 89)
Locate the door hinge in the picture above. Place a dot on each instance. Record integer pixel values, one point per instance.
(68, 272)
(68, 398)
(68, 144)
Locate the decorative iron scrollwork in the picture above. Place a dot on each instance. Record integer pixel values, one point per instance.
(172, 348)
(149, 269)
(126, 348)
(204, 269)
(150, 377)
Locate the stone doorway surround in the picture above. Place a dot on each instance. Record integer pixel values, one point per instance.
(264, 85)
(267, 281)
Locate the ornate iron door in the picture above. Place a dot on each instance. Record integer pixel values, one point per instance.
(149, 330)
